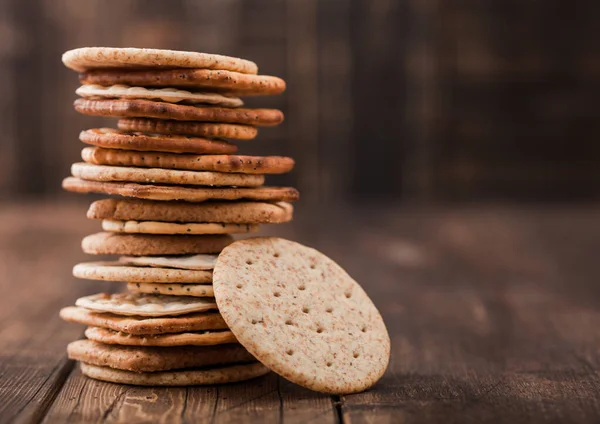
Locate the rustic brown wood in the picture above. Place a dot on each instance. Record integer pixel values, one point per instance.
(266, 399)
(36, 283)
(385, 98)
(493, 314)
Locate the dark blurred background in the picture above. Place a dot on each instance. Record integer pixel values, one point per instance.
(413, 100)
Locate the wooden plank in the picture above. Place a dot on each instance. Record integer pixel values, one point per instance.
(493, 315)
(266, 399)
(36, 255)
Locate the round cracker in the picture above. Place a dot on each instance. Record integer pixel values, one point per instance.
(146, 305)
(104, 173)
(184, 212)
(153, 227)
(301, 315)
(117, 271)
(188, 194)
(199, 338)
(115, 139)
(152, 359)
(145, 325)
(195, 129)
(214, 163)
(152, 244)
(221, 375)
(199, 262)
(170, 95)
(85, 58)
(206, 79)
(135, 108)
(195, 290)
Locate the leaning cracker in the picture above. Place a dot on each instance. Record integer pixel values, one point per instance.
(148, 305)
(195, 129)
(188, 194)
(226, 374)
(145, 325)
(117, 271)
(123, 108)
(200, 338)
(206, 79)
(103, 173)
(301, 315)
(215, 163)
(199, 262)
(184, 212)
(115, 139)
(152, 244)
(171, 95)
(152, 359)
(154, 227)
(85, 58)
(195, 290)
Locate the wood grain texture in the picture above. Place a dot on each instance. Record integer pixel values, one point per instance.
(412, 99)
(265, 399)
(493, 315)
(36, 283)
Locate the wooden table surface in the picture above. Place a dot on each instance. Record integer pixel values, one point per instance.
(493, 312)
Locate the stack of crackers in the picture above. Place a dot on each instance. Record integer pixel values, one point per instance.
(184, 192)
(201, 308)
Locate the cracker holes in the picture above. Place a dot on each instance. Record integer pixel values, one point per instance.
(329, 310)
(254, 321)
(319, 330)
(276, 254)
(306, 310)
(348, 295)
(249, 262)
(364, 329)
(329, 364)
(301, 287)
(276, 294)
(312, 266)
(355, 355)
(290, 352)
(289, 322)
(239, 285)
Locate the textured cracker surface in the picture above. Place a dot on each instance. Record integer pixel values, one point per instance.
(145, 325)
(189, 194)
(150, 359)
(194, 129)
(137, 108)
(145, 304)
(136, 141)
(85, 58)
(171, 95)
(301, 315)
(200, 338)
(221, 375)
(152, 244)
(200, 261)
(184, 212)
(118, 271)
(232, 82)
(215, 163)
(154, 227)
(91, 172)
(195, 290)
